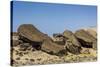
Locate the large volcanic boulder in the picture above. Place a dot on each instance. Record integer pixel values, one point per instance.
(53, 48)
(86, 39)
(72, 43)
(28, 32)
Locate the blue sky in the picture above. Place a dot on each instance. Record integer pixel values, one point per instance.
(53, 18)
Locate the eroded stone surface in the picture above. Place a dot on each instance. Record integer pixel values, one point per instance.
(85, 38)
(72, 43)
(28, 32)
(33, 47)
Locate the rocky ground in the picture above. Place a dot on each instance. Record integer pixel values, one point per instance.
(40, 57)
(29, 46)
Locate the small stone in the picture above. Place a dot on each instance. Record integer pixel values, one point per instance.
(39, 59)
(18, 58)
(26, 58)
(32, 60)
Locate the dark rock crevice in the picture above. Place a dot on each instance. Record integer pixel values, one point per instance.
(85, 44)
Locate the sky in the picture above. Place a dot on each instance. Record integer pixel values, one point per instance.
(52, 18)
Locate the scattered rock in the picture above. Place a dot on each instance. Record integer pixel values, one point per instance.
(32, 60)
(51, 47)
(85, 38)
(59, 39)
(72, 43)
(16, 42)
(24, 46)
(85, 50)
(17, 58)
(15, 36)
(28, 32)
